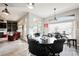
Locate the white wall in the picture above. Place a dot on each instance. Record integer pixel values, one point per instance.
(22, 27)
(77, 25)
(34, 23)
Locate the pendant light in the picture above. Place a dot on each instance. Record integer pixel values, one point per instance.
(55, 14)
(30, 5)
(5, 11)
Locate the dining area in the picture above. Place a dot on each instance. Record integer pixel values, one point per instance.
(51, 44)
(47, 45)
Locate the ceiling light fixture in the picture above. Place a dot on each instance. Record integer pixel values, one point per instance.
(30, 5)
(5, 11)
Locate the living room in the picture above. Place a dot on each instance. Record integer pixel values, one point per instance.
(43, 18)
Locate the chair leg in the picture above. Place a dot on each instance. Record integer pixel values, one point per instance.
(58, 54)
(53, 54)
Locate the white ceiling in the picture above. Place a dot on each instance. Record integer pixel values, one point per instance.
(17, 10)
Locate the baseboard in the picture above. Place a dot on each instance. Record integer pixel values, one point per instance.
(23, 40)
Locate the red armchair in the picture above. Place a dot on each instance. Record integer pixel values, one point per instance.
(15, 36)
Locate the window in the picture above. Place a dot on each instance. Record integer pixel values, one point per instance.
(60, 27)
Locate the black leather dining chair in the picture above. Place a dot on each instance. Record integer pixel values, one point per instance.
(45, 49)
(57, 47)
(36, 48)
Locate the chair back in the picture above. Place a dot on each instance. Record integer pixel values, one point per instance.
(44, 49)
(16, 35)
(36, 48)
(33, 46)
(58, 45)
